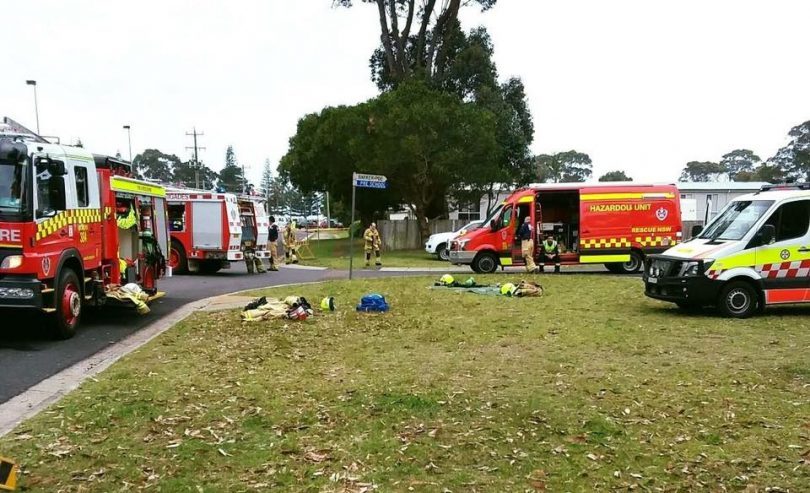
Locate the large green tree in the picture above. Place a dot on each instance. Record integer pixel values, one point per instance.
(427, 142)
(739, 164)
(616, 175)
(417, 38)
(569, 166)
(702, 171)
(155, 165)
(794, 158)
(192, 175)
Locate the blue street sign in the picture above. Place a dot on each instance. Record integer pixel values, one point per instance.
(371, 184)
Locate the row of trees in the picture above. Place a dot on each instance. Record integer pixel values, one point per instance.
(791, 162)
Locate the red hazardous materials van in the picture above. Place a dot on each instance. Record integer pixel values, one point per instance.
(611, 224)
(75, 230)
(206, 230)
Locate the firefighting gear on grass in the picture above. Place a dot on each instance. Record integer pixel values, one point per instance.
(526, 238)
(373, 243)
(449, 281)
(290, 308)
(290, 244)
(373, 303)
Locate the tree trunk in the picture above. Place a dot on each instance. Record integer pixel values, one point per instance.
(421, 219)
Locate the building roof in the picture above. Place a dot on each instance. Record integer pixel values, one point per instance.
(720, 186)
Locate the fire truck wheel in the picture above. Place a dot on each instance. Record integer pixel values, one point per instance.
(633, 265)
(738, 300)
(68, 305)
(485, 263)
(177, 258)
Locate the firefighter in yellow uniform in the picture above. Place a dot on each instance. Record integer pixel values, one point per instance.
(290, 244)
(373, 243)
(526, 237)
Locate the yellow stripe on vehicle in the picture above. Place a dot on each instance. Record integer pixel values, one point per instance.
(10, 245)
(506, 261)
(604, 259)
(120, 184)
(526, 199)
(626, 196)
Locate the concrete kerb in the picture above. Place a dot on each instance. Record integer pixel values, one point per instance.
(38, 397)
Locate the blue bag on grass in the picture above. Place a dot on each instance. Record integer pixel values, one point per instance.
(372, 303)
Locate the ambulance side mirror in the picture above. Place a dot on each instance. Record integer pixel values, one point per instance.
(493, 225)
(766, 235)
(696, 230)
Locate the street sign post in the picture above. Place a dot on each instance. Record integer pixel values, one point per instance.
(362, 180)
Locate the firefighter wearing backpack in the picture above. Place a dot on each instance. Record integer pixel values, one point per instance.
(372, 244)
(272, 241)
(550, 252)
(290, 244)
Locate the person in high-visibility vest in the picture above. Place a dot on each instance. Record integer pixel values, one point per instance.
(372, 244)
(526, 237)
(290, 244)
(550, 252)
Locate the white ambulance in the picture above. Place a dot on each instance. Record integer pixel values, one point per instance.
(755, 253)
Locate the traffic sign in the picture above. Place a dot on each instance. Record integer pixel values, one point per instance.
(370, 181)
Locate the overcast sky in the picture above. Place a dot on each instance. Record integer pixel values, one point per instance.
(643, 86)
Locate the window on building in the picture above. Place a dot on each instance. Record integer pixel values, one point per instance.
(82, 186)
(469, 211)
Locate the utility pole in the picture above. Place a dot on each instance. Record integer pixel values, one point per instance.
(195, 134)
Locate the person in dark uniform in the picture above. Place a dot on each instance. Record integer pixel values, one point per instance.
(272, 243)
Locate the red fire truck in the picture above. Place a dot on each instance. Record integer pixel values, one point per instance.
(611, 224)
(206, 230)
(74, 229)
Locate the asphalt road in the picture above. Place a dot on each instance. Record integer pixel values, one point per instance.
(28, 355)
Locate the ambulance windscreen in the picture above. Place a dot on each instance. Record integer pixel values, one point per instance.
(736, 220)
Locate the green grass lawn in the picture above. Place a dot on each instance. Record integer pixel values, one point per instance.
(335, 255)
(589, 388)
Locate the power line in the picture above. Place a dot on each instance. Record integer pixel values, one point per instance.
(196, 134)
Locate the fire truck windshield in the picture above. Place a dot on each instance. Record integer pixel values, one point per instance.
(736, 220)
(13, 187)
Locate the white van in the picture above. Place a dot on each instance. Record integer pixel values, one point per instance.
(755, 253)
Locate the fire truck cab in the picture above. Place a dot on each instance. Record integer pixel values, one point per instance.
(612, 224)
(206, 230)
(74, 230)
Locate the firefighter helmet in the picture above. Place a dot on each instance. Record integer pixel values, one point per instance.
(446, 280)
(328, 304)
(507, 289)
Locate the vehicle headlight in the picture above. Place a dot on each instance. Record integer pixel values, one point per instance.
(11, 262)
(693, 268)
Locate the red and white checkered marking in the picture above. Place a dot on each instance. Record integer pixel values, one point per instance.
(780, 270)
(784, 270)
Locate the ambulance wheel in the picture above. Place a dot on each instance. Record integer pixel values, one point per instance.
(177, 258)
(442, 253)
(738, 299)
(485, 263)
(633, 265)
(68, 305)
